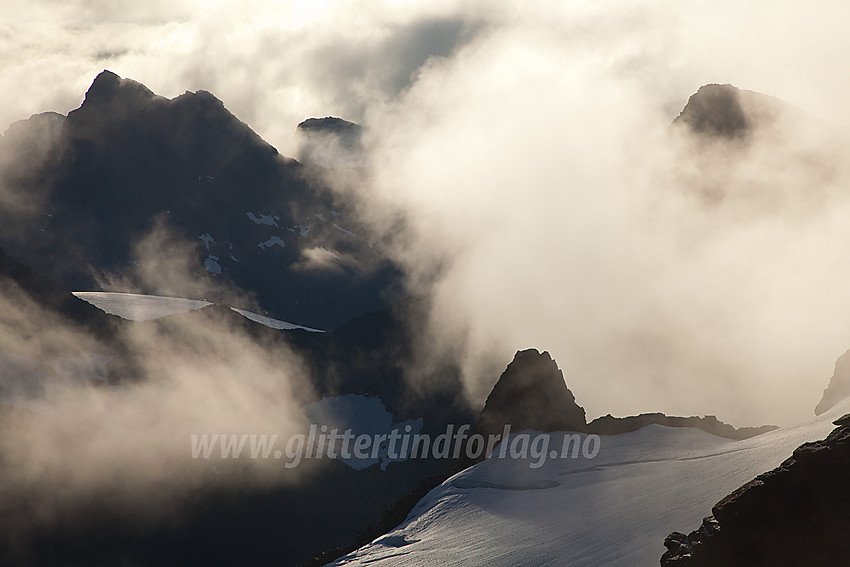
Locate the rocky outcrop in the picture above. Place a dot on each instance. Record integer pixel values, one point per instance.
(793, 515)
(609, 425)
(531, 394)
(839, 385)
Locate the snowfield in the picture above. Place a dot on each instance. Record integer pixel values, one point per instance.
(139, 307)
(273, 323)
(615, 509)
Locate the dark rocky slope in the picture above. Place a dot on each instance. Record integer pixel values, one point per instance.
(794, 515)
(17, 277)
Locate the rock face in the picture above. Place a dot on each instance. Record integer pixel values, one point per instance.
(609, 425)
(49, 296)
(839, 385)
(793, 515)
(531, 394)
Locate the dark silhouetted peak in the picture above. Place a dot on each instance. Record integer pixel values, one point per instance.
(108, 89)
(795, 514)
(330, 142)
(727, 112)
(609, 425)
(715, 110)
(330, 125)
(531, 394)
(839, 385)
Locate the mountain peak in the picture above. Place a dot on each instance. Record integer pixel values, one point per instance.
(531, 394)
(108, 89)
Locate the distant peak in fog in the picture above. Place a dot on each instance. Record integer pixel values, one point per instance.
(725, 111)
(330, 142)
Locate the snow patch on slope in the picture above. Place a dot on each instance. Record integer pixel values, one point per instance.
(207, 240)
(138, 307)
(361, 415)
(336, 226)
(272, 241)
(273, 323)
(212, 265)
(268, 220)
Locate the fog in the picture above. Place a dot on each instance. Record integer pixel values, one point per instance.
(527, 146)
(103, 420)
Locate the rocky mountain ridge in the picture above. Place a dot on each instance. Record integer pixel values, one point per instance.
(132, 182)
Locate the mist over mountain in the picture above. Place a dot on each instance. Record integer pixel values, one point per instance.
(183, 361)
(726, 111)
(619, 228)
(652, 295)
(331, 142)
(99, 199)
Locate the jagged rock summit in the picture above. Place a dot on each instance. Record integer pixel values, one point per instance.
(531, 394)
(108, 89)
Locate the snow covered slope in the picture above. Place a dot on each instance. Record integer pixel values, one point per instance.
(139, 307)
(273, 323)
(614, 509)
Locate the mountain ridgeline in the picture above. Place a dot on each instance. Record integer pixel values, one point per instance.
(136, 192)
